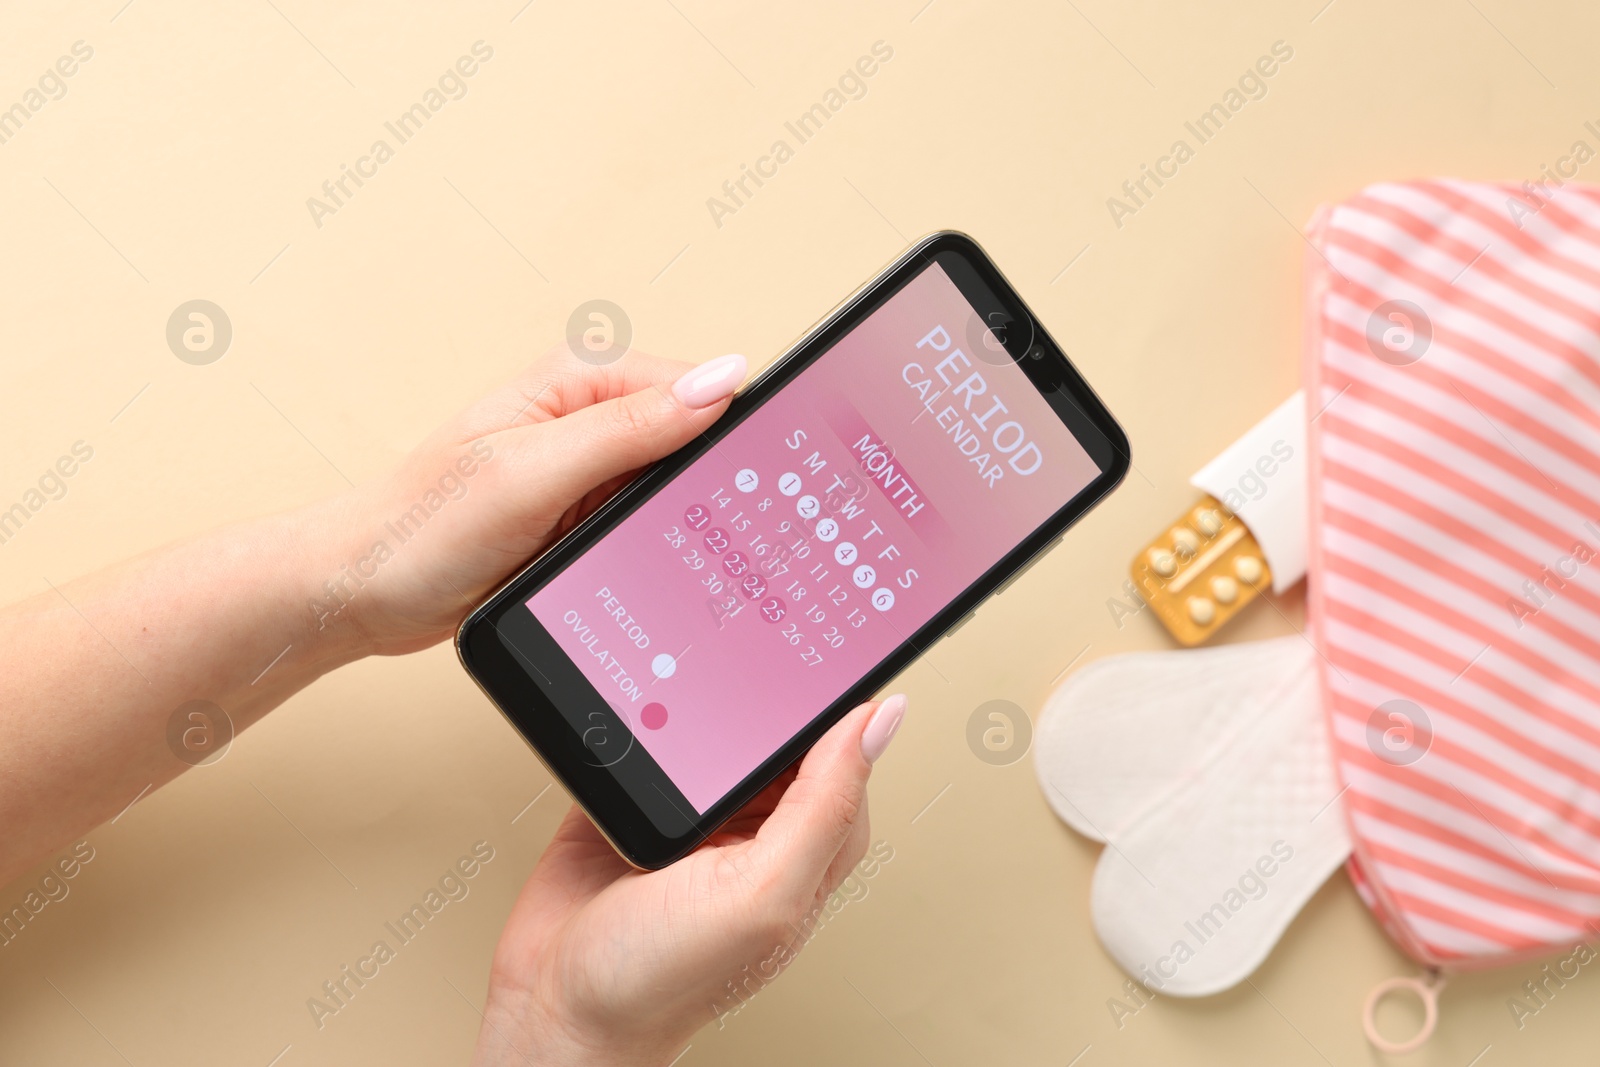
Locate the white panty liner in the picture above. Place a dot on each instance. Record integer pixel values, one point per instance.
(1207, 773)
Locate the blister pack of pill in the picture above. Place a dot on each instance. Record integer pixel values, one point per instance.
(1245, 538)
(1201, 571)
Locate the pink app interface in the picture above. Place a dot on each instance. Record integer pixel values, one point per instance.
(783, 565)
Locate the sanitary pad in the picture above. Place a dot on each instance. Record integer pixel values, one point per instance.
(1207, 773)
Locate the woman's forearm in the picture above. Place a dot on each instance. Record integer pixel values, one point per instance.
(92, 671)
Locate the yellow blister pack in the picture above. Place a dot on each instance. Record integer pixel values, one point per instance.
(1201, 571)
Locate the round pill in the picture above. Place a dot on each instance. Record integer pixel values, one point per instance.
(1248, 568)
(1201, 610)
(1163, 562)
(1209, 521)
(1186, 540)
(1224, 589)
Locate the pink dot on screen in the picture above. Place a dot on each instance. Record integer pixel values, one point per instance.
(654, 716)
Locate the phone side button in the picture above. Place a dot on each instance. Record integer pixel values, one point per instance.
(1028, 566)
(1011, 581)
(960, 623)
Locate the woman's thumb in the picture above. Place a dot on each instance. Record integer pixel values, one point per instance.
(592, 445)
(822, 805)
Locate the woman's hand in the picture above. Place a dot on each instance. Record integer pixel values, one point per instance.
(604, 964)
(599, 963)
(498, 483)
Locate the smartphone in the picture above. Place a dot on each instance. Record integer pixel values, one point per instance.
(696, 634)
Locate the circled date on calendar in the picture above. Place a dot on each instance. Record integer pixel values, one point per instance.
(782, 562)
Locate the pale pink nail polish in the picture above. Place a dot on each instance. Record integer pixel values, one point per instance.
(710, 382)
(881, 729)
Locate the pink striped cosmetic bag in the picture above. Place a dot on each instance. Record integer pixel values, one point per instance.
(1453, 389)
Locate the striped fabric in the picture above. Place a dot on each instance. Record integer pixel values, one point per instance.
(1453, 382)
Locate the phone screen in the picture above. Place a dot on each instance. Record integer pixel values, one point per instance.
(771, 575)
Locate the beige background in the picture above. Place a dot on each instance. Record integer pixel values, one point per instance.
(578, 166)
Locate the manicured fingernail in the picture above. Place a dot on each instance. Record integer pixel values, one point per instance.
(881, 729)
(710, 382)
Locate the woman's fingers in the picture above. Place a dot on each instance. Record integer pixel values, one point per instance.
(844, 861)
(592, 445)
(582, 856)
(753, 814)
(827, 803)
(560, 381)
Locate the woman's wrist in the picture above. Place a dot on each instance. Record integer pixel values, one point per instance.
(328, 577)
(526, 1025)
(266, 581)
(520, 1027)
